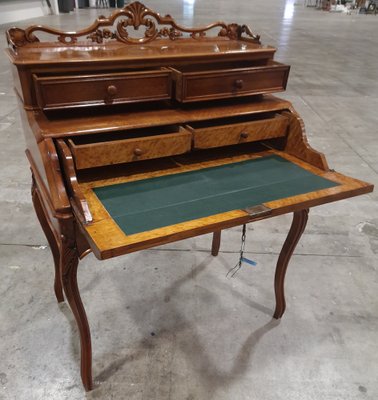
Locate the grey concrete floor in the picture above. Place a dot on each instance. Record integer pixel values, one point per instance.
(213, 336)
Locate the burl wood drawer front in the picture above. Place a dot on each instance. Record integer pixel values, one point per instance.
(235, 133)
(120, 151)
(102, 89)
(225, 83)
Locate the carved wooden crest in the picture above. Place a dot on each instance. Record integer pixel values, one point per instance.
(133, 15)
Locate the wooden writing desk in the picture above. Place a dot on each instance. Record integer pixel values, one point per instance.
(135, 142)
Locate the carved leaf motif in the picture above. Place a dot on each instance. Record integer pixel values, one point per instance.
(198, 35)
(136, 10)
(16, 37)
(151, 28)
(245, 29)
(171, 33)
(101, 34)
(235, 31)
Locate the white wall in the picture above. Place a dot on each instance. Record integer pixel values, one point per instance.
(17, 10)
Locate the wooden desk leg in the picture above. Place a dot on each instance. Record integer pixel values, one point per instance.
(297, 227)
(66, 261)
(216, 243)
(51, 238)
(69, 264)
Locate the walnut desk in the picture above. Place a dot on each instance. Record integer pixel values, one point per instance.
(136, 141)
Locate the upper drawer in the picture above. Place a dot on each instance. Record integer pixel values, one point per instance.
(111, 149)
(102, 89)
(230, 82)
(232, 131)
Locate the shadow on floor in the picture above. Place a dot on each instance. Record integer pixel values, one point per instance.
(176, 333)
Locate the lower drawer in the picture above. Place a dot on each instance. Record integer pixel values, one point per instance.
(225, 133)
(151, 145)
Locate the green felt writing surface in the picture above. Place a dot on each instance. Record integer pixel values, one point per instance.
(167, 200)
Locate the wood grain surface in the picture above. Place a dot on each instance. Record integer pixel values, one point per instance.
(120, 151)
(224, 83)
(236, 133)
(56, 92)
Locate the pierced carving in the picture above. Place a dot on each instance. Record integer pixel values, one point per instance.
(134, 15)
(67, 39)
(198, 35)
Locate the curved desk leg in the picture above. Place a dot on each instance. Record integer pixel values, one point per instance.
(297, 227)
(49, 233)
(216, 243)
(69, 264)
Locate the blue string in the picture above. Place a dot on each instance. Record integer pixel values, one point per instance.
(251, 262)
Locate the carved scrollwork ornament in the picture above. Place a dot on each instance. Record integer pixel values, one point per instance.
(101, 34)
(235, 32)
(171, 33)
(16, 37)
(133, 15)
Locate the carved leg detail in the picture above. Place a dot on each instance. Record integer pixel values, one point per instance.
(297, 227)
(49, 233)
(69, 264)
(216, 243)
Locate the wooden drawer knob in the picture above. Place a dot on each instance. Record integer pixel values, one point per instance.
(138, 152)
(244, 135)
(239, 83)
(112, 90)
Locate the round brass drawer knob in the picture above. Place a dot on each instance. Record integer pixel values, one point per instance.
(239, 83)
(138, 152)
(244, 135)
(112, 90)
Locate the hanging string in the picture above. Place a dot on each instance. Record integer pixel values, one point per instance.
(242, 259)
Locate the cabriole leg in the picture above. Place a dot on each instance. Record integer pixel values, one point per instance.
(297, 227)
(216, 243)
(50, 236)
(69, 264)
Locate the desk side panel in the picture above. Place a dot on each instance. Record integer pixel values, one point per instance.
(45, 166)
